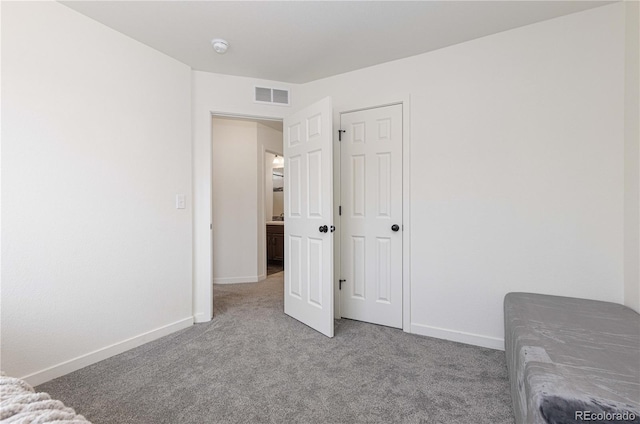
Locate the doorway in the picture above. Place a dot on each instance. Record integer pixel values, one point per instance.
(371, 215)
(274, 211)
(239, 215)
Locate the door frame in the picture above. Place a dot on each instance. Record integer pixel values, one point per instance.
(406, 201)
(261, 208)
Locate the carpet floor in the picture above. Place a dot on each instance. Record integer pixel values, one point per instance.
(254, 364)
(274, 267)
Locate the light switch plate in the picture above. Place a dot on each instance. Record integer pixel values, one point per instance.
(181, 201)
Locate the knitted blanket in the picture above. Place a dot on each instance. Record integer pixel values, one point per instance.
(20, 404)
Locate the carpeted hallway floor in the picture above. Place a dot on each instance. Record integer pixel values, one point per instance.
(274, 267)
(253, 364)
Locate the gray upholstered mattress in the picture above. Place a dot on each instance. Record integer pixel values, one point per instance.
(568, 355)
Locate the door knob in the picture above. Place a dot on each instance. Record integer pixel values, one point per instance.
(395, 227)
(323, 228)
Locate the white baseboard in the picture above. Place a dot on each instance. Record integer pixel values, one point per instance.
(82, 361)
(201, 317)
(458, 336)
(235, 280)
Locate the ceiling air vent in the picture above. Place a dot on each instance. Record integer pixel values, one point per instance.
(274, 96)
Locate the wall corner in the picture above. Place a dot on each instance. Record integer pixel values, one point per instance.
(632, 156)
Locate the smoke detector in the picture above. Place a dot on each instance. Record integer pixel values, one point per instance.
(220, 45)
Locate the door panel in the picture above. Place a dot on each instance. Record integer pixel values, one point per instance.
(383, 274)
(359, 267)
(358, 186)
(294, 197)
(384, 185)
(314, 191)
(308, 152)
(371, 200)
(294, 268)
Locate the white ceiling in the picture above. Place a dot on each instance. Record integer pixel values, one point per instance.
(303, 41)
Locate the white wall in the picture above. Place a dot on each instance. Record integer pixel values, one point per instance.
(214, 93)
(516, 167)
(96, 144)
(235, 201)
(632, 157)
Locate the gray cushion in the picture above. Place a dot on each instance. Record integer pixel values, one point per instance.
(567, 355)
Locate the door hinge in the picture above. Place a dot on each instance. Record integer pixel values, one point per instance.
(340, 210)
(340, 284)
(340, 134)
(211, 226)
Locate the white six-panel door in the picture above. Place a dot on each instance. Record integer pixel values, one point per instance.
(308, 153)
(371, 201)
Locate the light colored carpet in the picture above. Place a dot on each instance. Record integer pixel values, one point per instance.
(254, 364)
(274, 267)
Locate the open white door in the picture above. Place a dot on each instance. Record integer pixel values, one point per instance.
(308, 209)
